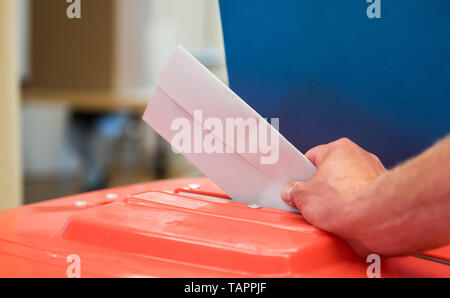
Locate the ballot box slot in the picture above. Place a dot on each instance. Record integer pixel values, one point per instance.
(209, 197)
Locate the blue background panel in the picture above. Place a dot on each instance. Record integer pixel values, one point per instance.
(327, 70)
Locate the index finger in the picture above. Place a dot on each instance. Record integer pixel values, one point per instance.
(315, 155)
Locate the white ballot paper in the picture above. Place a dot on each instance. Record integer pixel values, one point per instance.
(222, 135)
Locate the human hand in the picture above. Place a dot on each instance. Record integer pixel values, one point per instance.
(327, 199)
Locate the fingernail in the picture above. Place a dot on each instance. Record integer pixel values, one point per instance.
(286, 193)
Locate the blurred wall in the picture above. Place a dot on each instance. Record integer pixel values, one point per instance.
(194, 24)
(328, 71)
(10, 174)
(44, 142)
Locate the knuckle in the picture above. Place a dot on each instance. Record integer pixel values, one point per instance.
(374, 156)
(300, 195)
(298, 190)
(345, 141)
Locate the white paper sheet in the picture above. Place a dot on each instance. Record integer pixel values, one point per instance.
(187, 89)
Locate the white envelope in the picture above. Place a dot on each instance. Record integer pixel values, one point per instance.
(184, 88)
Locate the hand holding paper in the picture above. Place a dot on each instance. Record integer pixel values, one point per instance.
(223, 136)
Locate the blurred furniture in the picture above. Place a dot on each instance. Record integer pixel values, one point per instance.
(106, 49)
(10, 168)
(97, 67)
(102, 65)
(87, 100)
(91, 111)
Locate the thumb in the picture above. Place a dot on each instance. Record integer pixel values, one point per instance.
(287, 192)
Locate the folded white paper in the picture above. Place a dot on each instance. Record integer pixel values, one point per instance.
(223, 136)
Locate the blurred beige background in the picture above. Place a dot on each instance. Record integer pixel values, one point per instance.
(10, 169)
(73, 91)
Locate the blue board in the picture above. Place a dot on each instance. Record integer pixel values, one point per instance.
(327, 70)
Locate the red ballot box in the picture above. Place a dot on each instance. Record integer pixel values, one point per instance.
(180, 228)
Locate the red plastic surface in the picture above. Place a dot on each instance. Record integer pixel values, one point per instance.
(146, 231)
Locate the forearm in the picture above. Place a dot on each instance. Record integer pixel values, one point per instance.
(407, 209)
